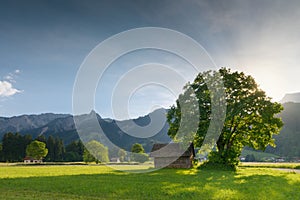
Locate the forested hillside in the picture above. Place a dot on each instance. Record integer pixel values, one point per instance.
(288, 141)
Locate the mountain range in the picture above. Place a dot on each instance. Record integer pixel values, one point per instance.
(63, 126)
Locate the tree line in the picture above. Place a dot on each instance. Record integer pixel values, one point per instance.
(14, 145)
(13, 148)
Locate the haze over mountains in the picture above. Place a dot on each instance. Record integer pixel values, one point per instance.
(291, 97)
(288, 141)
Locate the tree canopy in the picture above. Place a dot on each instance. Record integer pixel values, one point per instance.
(137, 148)
(36, 150)
(74, 151)
(14, 146)
(95, 151)
(138, 153)
(122, 155)
(249, 120)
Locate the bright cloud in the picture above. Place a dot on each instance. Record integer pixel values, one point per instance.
(12, 76)
(7, 89)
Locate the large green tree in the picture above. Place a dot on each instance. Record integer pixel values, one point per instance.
(249, 119)
(36, 150)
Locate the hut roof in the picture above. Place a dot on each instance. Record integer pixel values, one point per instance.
(172, 150)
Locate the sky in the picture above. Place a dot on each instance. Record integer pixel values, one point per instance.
(44, 43)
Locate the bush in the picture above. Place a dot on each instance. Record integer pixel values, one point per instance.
(250, 158)
(216, 166)
(215, 161)
(72, 156)
(139, 157)
(137, 148)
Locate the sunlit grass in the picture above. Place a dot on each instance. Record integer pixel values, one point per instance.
(102, 182)
(271, 165)
(44, 171)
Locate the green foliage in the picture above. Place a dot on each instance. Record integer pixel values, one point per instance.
(36, 150)
(138, 153)
(137, 148)
(122, 155)
(14, 146)
(216, 161)
(139, 157)
(250, 115)
(259, 155)
(74, 151)
(55, 147)
(113, 151)
(87, 157)
(51, 148)
(95, 151)
(41, 138)
(1, 155)
(250, 158)
(59, 149)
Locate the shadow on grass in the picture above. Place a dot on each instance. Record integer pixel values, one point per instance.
(162, 184)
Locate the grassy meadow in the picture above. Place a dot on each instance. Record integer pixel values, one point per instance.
(102, 182)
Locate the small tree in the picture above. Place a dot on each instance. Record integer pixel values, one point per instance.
(113, 151)
(122, 154)
(140, 157)
(87, 157)
(95, 151)
(138, 153)
(37, 150)
(137, 148)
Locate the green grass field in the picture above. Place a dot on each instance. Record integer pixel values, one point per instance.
(101, 182)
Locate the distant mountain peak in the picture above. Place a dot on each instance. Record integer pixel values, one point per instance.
(291, 97)
(93, 112)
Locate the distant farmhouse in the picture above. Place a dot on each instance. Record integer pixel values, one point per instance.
(173, 155)
(28, 160)
(115, 160)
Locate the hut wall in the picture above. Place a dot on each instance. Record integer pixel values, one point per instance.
(181, 162)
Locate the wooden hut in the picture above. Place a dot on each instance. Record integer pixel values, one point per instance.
(173, 155)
